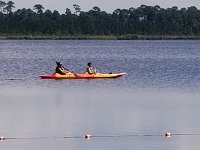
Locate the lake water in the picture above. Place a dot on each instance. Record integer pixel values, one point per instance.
(159, 94)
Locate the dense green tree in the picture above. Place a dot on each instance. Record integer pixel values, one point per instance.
(2, 5)
(9, 6)
(77, 9)
(96, 9)
(39, 8)
(68, 11)
(143, 20)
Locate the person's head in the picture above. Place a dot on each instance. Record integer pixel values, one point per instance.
(89, 64)
(58, 63)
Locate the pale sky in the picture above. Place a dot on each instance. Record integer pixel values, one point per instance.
(106, 5)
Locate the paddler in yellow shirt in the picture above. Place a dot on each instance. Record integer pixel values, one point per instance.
(90, 69)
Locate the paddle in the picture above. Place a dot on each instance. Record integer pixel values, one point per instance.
(69, 71)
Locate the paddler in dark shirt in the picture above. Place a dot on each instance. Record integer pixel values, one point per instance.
(60, 69)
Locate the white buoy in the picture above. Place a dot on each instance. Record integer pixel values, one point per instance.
(168, 134)
(2, 138)
(88, 136)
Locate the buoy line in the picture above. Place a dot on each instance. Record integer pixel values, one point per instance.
(89, 136)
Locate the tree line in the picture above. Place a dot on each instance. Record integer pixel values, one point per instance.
(143, 20)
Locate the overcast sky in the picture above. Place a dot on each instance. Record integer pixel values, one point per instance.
(106, 5)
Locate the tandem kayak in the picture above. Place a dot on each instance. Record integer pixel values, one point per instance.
(82, 76)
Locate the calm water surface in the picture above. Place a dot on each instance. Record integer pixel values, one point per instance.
(160, 93)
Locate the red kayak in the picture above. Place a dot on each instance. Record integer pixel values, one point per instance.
(82, 76)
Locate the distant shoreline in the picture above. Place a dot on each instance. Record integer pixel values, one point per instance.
(98, 37)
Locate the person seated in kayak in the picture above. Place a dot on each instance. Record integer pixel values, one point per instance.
(60, 69)
(90, 70)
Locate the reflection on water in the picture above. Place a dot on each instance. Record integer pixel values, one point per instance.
(159, 94)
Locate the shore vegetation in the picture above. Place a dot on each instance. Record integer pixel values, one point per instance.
(144, 22)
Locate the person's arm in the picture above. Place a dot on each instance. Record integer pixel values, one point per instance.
(61, 71)
(65, 69)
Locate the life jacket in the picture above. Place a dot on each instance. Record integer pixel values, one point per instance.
(90, 70)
